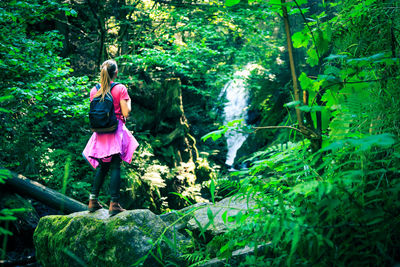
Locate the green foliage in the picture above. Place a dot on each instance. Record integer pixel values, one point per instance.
(155, 186)
(6, 216)
(235, 125)
(59, 172)
(338, 205)
(310, 207)
(37, 94)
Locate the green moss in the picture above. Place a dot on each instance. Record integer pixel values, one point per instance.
(98, 240)
(57, 236)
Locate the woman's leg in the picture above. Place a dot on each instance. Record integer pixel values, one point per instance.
(97, 183)
(99, 179)
(115, 180)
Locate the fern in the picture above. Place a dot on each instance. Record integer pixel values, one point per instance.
(315, 213)
(195, 258)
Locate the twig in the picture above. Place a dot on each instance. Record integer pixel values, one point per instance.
(308, 133)
(276, 127)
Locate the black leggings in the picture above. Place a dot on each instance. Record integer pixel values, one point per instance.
(115, 180)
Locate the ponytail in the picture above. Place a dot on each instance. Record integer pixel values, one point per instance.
(107, 73)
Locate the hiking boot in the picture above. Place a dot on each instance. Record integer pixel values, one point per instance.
(94, 205)
(115, 208)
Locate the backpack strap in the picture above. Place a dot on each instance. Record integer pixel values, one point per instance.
(98, 86)
(112, 85)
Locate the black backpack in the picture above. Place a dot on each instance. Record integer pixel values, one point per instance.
(101, 114)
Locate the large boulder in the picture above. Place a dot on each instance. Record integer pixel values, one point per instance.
(211, 218)
(215, 218)
(96, 239)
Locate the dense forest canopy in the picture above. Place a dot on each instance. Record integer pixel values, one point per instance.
(321, 159)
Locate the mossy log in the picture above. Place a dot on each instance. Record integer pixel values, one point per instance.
(50, 197)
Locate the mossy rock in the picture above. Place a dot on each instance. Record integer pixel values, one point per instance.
(227, 207)
(95, 239)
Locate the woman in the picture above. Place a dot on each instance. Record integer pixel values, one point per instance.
(106, 150)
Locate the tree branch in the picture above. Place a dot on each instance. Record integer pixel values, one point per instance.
(291, 60)
(308, 133)
(276, 127)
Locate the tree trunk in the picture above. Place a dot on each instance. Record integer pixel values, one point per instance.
(50, 197)
(309, 133)
(292, 65)
(101, 29)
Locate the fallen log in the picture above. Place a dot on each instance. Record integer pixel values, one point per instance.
(18, 262)
(24, 186)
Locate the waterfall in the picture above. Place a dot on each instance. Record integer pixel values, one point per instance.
(235, 109)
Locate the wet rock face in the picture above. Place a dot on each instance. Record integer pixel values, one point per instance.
(95, 239)
(226, 208)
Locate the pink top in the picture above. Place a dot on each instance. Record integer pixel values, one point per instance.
(118, 93)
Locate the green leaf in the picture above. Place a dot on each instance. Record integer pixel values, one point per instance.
(309, 84)
(8, 218)
(382, 140)
(5, 232)
(333, 57)
(239, 217)
(232, 2)
(295, 240)
(376, 58)
(310, 109)
(225, 248)
(5, 110)
(322, 42)
(312, 57)
(212, 190)
(224, 216)
(300, 40)
(215, 135)
(292, 104)
(5, 98)
(305, 188)
(210, 214)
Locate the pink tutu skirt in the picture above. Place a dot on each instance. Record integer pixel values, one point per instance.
(103, 146)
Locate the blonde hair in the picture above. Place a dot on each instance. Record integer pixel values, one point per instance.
(107, 73)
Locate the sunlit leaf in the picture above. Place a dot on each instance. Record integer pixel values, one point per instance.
(231, 2)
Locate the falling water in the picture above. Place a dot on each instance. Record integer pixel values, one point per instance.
(235, 109)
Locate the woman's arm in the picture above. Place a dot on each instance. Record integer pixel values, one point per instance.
(125, 107)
